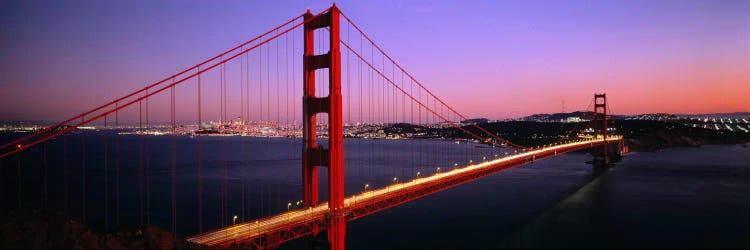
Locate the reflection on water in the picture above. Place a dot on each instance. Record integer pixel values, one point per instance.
(687, 197)
(684, 197)
(680, 197)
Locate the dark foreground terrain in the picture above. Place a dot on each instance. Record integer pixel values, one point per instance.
(38, 229)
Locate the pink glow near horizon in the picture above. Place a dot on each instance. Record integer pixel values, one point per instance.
(494, 60)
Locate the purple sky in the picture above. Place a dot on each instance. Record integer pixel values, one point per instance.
(60, 58)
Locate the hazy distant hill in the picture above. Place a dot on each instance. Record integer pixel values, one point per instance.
(25, 122)
(735, 115)
(556, 117)
(586, 115)
(475, 120)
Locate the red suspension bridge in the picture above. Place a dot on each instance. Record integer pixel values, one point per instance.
(350, 89)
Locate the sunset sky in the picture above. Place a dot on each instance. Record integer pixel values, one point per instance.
(60, 58)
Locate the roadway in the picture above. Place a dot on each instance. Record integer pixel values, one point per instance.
(273, 230)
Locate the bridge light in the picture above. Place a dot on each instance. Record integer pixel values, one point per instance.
(395, 179)
(234, 220)
(418, 174)
(289, 216)
(366, 186)
(437, 170)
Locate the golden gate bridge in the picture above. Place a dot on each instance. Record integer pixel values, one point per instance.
(350, 88)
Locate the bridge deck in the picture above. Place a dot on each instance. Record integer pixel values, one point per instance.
(273, 230)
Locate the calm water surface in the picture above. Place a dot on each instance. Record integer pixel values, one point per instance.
(679, 197)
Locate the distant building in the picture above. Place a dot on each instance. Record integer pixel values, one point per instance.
(574, 119)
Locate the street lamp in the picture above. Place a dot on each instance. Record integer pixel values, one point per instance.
(366, 186)
(418, 174)
(437, 170)
(288, 216)
(394, 180)
(234, 220)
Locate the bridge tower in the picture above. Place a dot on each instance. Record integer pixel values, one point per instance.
(600, 124)
(313, 155)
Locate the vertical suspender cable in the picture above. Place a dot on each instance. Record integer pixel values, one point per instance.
(268, 107)
(370, 102)
(348, 101)
(18, 178)
(294, 86)
(361, 120)
(278, 109)
(395, 109)
(403, 103)
(383, 119)
(244, 145)
(246, 188)
(200, 161)
(411, 122)
(140, 159)
(44, 164)
(117, 166)
(83, 175)
(261, 111)
(224, 148)
(174, 162)
(286, 105)
(106, 176)
(147, 174)
(66, 188)
(242, 89)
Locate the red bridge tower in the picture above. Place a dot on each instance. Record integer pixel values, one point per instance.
(313, 155)
(600, 123)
